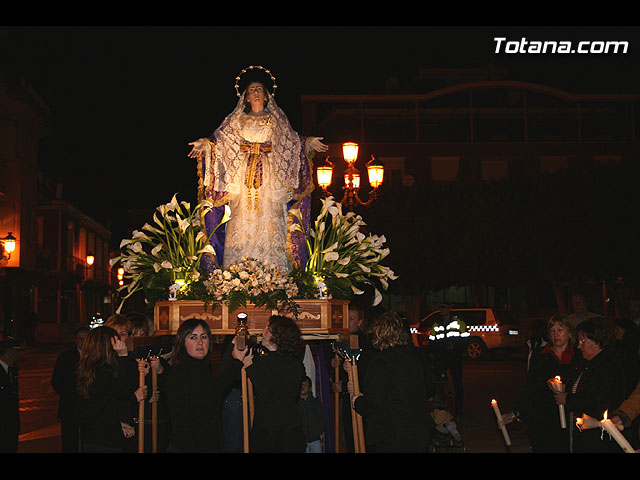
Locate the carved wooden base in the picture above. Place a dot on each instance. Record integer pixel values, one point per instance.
(315, 316)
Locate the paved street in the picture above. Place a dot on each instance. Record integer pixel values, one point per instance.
(484, 380)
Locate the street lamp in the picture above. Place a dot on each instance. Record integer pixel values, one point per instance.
(90, 259)
(9, 243)
(375, 172)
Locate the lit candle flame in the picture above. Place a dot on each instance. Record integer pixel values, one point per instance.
(558, 379)
(605, 414)
(493, 402)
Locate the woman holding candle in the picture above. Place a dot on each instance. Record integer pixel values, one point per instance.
(536, 405)
(596, 386)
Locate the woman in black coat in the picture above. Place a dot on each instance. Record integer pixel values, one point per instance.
(536, 404)
(194, 395)
(596, 386)
(106, 391)
(396, 389)
(277, 378)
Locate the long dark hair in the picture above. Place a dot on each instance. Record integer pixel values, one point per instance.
(184, 330)
(97, 352)
(286, 335)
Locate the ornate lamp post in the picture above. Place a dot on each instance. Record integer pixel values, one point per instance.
(9, 243)
(375, 172)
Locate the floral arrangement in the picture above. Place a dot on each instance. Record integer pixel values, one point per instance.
(250, 280)
(341, 256)
(165, 253)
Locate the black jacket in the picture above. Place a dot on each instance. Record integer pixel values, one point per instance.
(314, 417)
(601, 388)
(537, 405)
(63, 381)
(194, 399)
(9, 413)
(276, 381)
(109, 402)
(397, 386)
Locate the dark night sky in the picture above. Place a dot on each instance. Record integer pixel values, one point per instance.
(125, 101)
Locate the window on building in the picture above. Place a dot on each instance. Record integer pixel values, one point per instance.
(389, 122)
(445, 169)
(393, 171)
(445, 118)
(606, 121)
(551, 163)
(498, 115)
(551, 119)
(494, 169)
(607, 158)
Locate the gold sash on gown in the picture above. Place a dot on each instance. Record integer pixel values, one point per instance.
(253, 176)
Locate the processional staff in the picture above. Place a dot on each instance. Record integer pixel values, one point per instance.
(154, 408)
(141, 415)
(336, 407)
(352, 356)
(247, 408)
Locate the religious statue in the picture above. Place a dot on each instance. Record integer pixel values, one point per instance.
(256, 168)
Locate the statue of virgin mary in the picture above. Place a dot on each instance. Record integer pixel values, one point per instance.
(254, 168)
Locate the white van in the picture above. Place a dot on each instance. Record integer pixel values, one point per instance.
(488, 330)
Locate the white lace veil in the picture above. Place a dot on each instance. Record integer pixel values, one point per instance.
(285, 157)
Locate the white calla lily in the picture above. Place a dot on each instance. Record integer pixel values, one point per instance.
(173, 204)
(331, 256)
(377, 298)
(207, 249)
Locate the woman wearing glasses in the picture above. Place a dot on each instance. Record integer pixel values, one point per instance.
(596, 386)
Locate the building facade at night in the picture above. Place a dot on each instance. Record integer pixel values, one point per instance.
(476, 131)
(48, 285)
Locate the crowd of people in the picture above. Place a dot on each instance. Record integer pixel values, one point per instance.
(100, 388)
(596, 365)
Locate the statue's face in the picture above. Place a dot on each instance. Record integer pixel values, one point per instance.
(256, 96)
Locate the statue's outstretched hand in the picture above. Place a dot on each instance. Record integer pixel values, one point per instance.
(317, 145)
(198, 148)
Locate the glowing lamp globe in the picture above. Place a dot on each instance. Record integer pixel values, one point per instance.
(350, 152)
(324, 173)
(9, 243)
(375, 171)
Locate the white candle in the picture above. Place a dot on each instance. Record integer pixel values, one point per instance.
(586, 422)
(558, 386)
(616, 434)
(501, 424)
